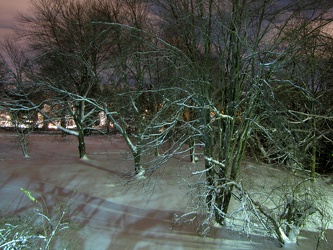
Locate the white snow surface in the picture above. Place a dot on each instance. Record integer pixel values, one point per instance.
(110, 209)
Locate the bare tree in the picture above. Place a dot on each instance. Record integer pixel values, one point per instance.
(73, 53)
(208, 76)
(15, 89)
(309, 115)
(233, 59)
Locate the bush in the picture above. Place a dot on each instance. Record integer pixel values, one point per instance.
(34, 230)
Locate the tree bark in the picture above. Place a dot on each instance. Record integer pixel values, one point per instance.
(82, 145)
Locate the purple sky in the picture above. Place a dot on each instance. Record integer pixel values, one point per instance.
(8, 10)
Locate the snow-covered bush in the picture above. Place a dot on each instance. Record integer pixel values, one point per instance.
(35, 230)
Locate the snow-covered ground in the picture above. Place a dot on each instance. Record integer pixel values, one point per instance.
(110, 210)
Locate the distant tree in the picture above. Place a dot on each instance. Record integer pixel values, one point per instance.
(16, 89)
(299, 93)
(310, 112)
(2, 72)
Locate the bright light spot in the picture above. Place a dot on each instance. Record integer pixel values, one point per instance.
(51, 126)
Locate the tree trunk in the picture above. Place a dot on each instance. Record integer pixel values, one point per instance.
(313, 161)
(192, 150)
(82, 144)
(137, 153)
(23, 141)
(314, 149)
(137, 163)
(63, 123)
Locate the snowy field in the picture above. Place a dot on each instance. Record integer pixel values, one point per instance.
(108, 210)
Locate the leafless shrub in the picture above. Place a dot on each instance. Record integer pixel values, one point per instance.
(36, 230)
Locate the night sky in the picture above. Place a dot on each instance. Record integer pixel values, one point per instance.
(8, 11)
